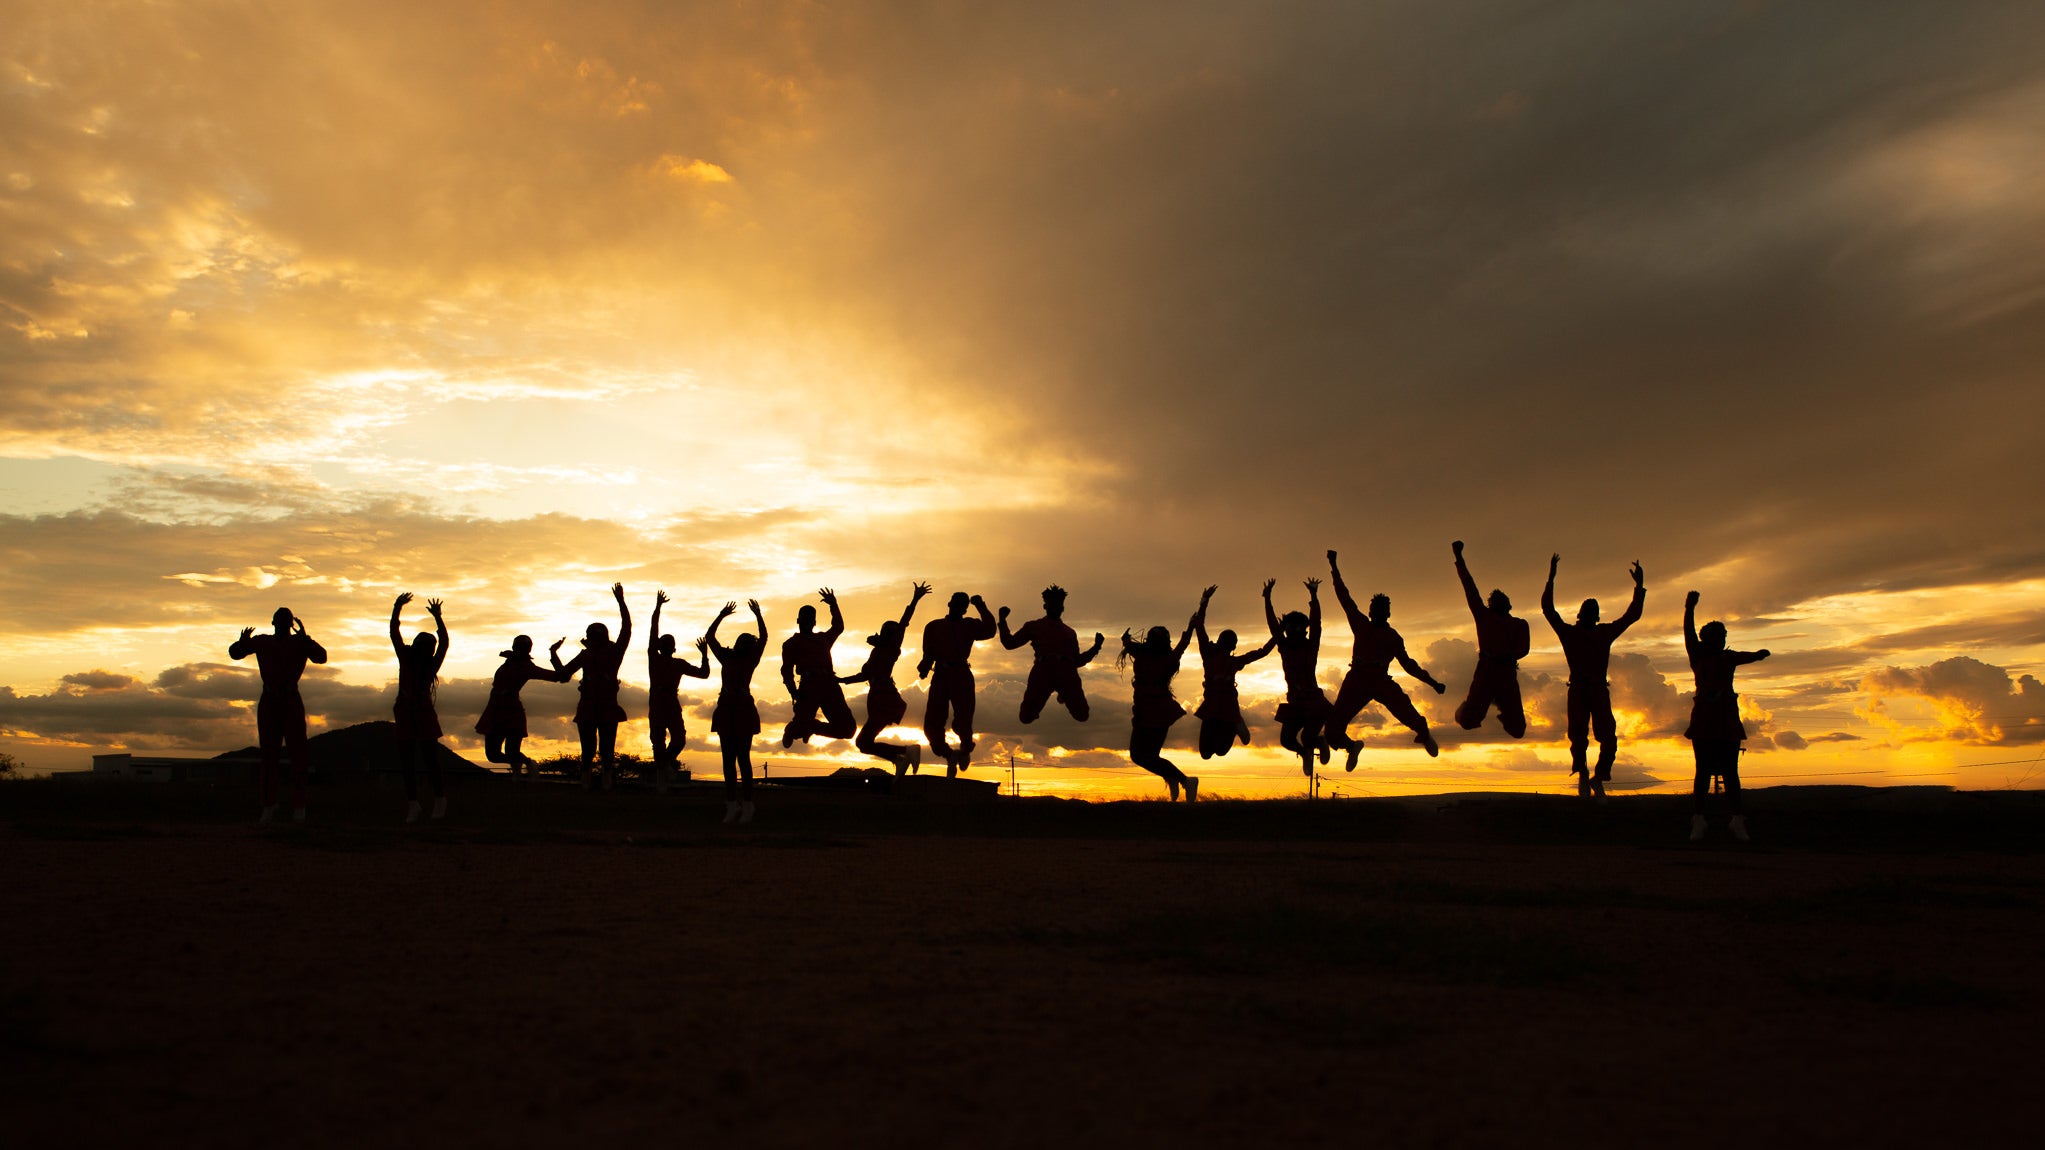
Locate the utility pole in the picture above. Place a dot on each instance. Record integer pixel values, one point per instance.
(1012, 791)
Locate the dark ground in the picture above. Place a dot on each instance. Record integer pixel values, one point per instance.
(555, 967)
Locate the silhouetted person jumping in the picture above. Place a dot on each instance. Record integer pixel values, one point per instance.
(736, 718)
(1153, 709)
(1502, 641)
(1057, 658)
(281, 657)
(884, 705)
(664, 674)
(597, 713)
(1587, 645)
(416, 719)
(1302, 717)
(502, 723)
(811, 680)
(1221, 710)
(1370, 671)
(948, 650)
(1715, 730)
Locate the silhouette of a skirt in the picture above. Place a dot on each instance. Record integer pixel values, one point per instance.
(885, 706)
(595, 708)
(1715, 718)
(735, 718)
(1155, 708)
(1304, 707)
(502, 718)
(416, 720)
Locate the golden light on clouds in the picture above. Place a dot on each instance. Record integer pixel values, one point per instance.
(505, 302)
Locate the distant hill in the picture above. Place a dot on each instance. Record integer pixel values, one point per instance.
(352, 752)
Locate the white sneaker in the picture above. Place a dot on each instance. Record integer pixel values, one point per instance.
(1192, 788)
(412, 811)
(745, 812)
(1697, 828)
(268, 816)
(731, 812)
(440, 808)
(1739, 828)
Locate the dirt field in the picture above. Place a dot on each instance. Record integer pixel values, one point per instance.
(558, 967)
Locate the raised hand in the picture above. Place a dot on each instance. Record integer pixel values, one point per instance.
(556, 644)
(1209, 593)
(618, 591)
(247, 633)
(1003, 612)
(404, 597)
(727, 609)
(1331, 557)
(919, 590)
(1554, 561)
(433, 607)
(977, 601)
(1268, 585)
(828, 596)
(702, 645)
(1458, 545)
(754, 604)
(1099, 638)
(1690, 600)
(297, 625)
(1313, 588)
(1639, 576)
(1439, 687)
(659, 597)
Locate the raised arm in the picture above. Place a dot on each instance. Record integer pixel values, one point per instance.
(837, 627)
(440, 629)
(398, 609)
(1314, 613)
(1185, 637)
(559, 674)
(759, 622)
(1742, 658)
(1010, 639)
(1690, 623)
(1270, 614)
(243, 647)
(916, 594)
(1548, 595)
(1245, 660)
(710, 636)
(653, 626)
(1470, 595)
(987, 627)
(1087, 656)
(1200, 619)
(701, 668)
(1632, 614)
(1342, 595)
(314, 653)
(624, 616)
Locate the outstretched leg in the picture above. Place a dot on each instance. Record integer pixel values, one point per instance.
(1146, 750)
(585, 734)
(936, 713)
(1402, 709)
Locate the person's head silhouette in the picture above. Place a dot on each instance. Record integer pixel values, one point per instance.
(1054, 601)
(1225, 642)
(521, 648)
(1588, 613)
(665, 645)
(806, 619)
(281, 619)
(958, 603)
(1157, 639)
(596, 635)
(422, 646)
(1712, 635)
(890, 635)
(1500, 602)
(1295, 626)
(745, 643)
(1380, 608)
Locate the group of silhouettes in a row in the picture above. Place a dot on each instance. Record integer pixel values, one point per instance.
(1310, 724)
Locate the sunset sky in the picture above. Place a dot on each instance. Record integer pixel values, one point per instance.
(305, 304)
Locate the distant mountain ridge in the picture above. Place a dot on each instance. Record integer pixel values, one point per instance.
(351, 752)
